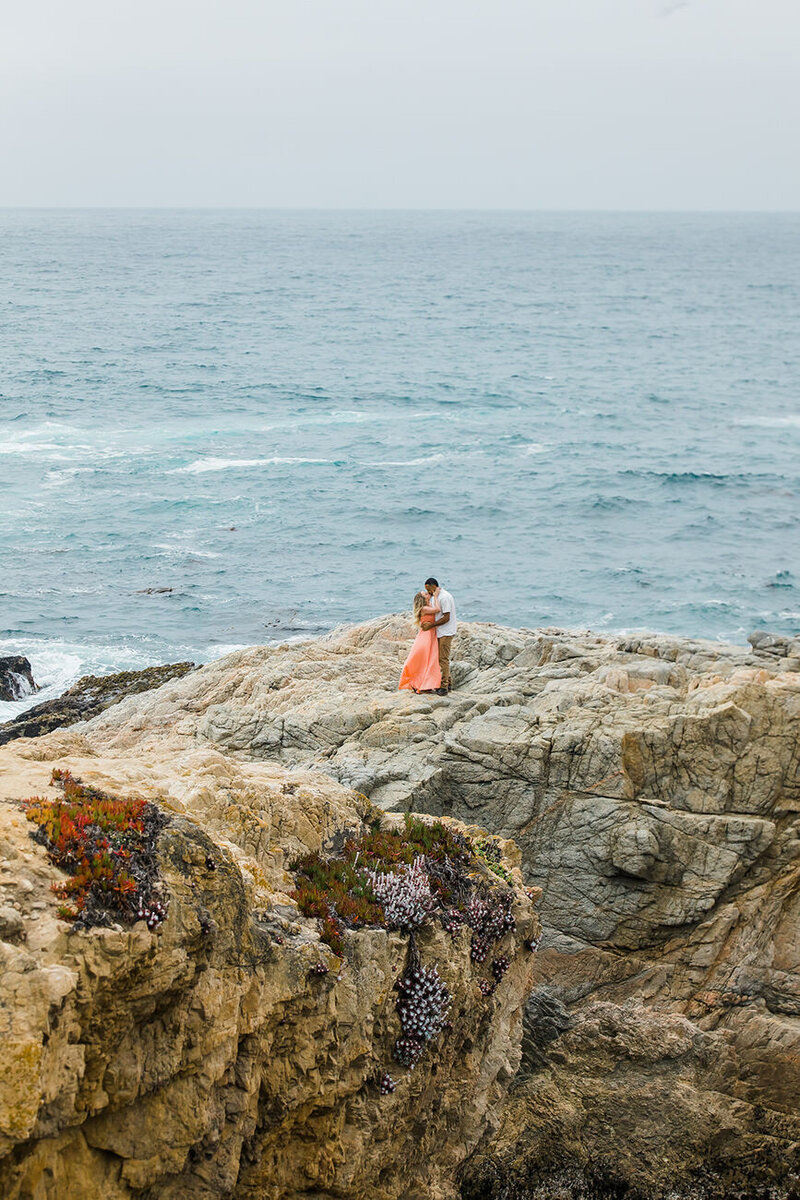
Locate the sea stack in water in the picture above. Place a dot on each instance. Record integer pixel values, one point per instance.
(16, 680)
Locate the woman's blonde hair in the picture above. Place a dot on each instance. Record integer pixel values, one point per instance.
(420, 600)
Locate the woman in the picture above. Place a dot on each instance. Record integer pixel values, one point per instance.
(421, 672)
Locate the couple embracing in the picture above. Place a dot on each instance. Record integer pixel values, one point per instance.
(427, 668)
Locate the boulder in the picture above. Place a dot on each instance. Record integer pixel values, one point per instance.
(627, 1093)
(775, 644)
(16, 680)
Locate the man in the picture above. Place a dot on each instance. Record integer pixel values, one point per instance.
(445, 625)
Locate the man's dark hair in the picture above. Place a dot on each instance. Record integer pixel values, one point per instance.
(433, 582)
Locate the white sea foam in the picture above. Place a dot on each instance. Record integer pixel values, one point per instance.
(28, 443)
(215, 652)
(534, 448)
(790, 422)
(404, 462)
(51, 451)
(65, 475)
(346, 416)
(349, 416)
(52, 669)
(184, 551)
(201, 465)
(45, 429)
(56, 665)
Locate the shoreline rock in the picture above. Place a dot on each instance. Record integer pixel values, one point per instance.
(92, 694)
(16, 680)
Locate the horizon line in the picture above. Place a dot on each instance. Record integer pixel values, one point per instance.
(392, 209)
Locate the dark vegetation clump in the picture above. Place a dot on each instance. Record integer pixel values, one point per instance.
(399, 881)
(489, 851)
(422, 1006)
(385, 879)
(489, 916)
(500, 966)
(107, 847)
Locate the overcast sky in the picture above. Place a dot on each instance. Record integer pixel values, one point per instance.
(621, 104)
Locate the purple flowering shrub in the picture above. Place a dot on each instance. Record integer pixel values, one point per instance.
(405, 895)
(392, 879)
(489, 917)
(423, 1006)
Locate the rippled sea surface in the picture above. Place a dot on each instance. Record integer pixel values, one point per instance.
(290, 419)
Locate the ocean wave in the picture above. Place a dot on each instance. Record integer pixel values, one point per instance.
(65, 475)
(347, 416)
(781, 579)
(185, 551)
(28, 443)
(612, 503)
(51, 451)
(405, 462)
(790, 422)
(44, 428)
(680, 477)
(215, 652)
(56, 665)
(202, 465)
(53, 669)
(714, 478)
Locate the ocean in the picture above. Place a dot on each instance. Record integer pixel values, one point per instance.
(291, 419)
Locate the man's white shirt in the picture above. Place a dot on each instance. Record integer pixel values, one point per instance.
(448, 605)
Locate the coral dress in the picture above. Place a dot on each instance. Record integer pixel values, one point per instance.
(421, 671)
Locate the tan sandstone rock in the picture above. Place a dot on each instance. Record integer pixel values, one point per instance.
(207, 1059)
(653, 786)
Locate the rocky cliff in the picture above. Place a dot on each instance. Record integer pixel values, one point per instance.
(228, 1050)
(653, 787)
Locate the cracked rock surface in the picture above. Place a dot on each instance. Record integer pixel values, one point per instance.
(653, 786)
(230, 1052)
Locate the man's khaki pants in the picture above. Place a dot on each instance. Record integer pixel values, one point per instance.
(444, 659)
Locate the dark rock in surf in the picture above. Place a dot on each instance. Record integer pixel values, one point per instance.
(16, 680)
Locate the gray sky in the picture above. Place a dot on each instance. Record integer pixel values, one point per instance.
(376, 103)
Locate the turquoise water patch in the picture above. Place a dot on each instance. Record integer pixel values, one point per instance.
(291, 419)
